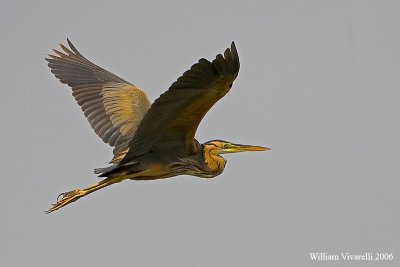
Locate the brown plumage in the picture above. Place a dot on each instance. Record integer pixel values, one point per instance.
(151, 141)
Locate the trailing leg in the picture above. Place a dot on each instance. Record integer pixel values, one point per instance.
(71, 196)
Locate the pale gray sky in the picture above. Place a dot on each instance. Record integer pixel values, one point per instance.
(319, 84)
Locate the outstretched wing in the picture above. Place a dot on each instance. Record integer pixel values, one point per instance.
(113, 106)
(174, 117)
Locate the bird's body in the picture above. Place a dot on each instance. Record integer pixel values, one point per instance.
(168, 162)
(152, 141)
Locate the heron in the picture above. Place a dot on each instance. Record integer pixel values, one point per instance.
(151, 141)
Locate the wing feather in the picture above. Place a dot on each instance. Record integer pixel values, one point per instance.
(113, 106)
(175, 115)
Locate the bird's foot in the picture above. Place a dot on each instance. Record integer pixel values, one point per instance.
(66, 198)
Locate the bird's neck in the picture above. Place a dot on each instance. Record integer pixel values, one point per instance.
(214, 162)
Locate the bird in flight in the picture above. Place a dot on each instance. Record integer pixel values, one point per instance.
(151, 141)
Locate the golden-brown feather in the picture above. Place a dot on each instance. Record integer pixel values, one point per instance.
(125, 105)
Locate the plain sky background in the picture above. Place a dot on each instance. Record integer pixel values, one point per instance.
(319, 84)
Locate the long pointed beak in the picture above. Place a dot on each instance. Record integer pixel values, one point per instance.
(242, 148)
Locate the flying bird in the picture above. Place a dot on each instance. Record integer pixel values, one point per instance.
(151, 141)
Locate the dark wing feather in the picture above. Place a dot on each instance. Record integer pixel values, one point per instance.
(174, 117)
(113, 106)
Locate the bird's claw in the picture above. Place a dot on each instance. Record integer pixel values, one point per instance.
(64, 199)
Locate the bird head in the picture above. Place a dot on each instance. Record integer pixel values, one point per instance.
(222, 147)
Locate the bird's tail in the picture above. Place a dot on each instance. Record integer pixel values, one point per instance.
(71, 196)
(119, 169)
(100, 171)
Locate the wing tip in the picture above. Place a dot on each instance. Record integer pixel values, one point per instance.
(233, 46)
(73, 48)
(235, 55)
(228, 63)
